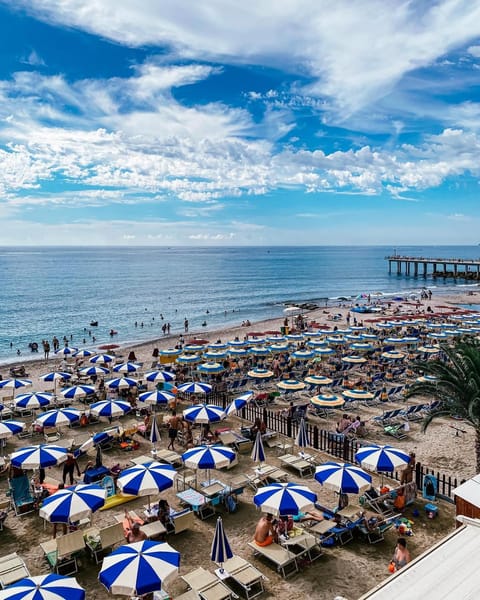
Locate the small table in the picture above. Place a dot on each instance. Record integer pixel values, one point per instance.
(200, 504)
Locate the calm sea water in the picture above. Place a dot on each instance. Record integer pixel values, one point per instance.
(59, 291)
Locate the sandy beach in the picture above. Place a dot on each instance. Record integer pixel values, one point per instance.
(348, 570)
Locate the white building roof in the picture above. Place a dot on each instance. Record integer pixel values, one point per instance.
(444, 572)
(470, 491)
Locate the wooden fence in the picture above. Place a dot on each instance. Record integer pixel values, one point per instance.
(339, 446)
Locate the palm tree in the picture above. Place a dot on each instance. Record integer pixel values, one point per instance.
(455, 384)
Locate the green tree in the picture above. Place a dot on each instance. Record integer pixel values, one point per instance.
(456, 386)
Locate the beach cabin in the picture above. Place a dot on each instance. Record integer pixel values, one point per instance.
(467, 498)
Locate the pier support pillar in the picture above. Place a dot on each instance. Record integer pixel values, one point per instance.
(399, 267)
(415, 269)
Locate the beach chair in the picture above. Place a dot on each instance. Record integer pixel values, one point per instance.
(12, 569)
(21, 496)
(168, 456)
(207, 586)
(61, 553)
(103, 540)
(396, 430)
(245, 575)
(387, 417)
(284, 560)
(377, 503)
(51, 434)
(302, 466)
(4, 507)
(182, 520)
(377, 533)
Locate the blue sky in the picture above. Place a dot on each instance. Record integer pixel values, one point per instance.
(237, 123)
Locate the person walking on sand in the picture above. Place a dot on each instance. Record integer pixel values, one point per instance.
(69, 467)
(173, 427)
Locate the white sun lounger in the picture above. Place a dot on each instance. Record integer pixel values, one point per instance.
(249, 578)
(207, 586)
(284, 560)
(12, 569)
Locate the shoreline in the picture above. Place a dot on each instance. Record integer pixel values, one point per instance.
(319, 315)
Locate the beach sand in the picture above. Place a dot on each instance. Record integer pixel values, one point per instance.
(348, 570)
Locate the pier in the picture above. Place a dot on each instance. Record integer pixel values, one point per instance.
(456, 268)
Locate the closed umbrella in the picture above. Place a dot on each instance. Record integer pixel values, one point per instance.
(283, 499)
(154, 433)
(73, 503)
(139, 568)
(302, 440)
(343, 478)
(258, 451)
(44, 587)
(40, 456)
(220, 551)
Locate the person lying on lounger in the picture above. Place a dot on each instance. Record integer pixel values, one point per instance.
(264, 532)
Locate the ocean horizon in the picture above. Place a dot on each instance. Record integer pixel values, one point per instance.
(59, 291)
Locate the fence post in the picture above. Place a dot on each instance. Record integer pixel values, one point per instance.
(315, 437)
(289, 427)
(419, 476)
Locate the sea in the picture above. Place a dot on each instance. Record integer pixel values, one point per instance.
(133, 291)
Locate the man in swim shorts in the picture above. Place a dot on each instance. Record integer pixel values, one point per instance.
(264, 532)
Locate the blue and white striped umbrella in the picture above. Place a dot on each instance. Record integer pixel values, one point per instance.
(139, 568)
(156, 397)
(160, 376)
(102, 359)
(121, 383)
(220, 551)
(145, 479)
(83, 353)
(318, 380)
(323, 351)
(170, 352)
(208, 457)
(237, 343)
(56, 376)
(66, 351)
(154, 432)
(210, 368)
(258, 451)
(14, 383)
(302, 440)
(343, 477)
(195, 387)
(381, 458)
(44, 587)
(204, 413)
(110, 408)
(9, 428)
(283, 499)
(35, 457)
(78, 391)
(291, 385)
(279, 347)
(73, 503)
(34, 400)
(217, 346)
(238, 403)
(260, 374)
(362, 346)
(194, 348)
(294, 337)
(94, 370)
(59, 418)
(127, 367)
(275, 339)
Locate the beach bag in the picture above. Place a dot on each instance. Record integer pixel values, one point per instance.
(230, 504)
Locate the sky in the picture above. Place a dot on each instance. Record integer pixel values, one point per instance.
(225, 122)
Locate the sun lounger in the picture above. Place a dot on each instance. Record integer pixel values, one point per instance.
(302, 466)
(12, 569)
(303, 545)
(51, 434)
(61, 553)
(104, 539)
(284, 560)
(249, 578)
(167, 456)
(376, 534)
(207, 586)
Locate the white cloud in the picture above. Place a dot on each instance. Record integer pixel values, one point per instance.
(354, 52)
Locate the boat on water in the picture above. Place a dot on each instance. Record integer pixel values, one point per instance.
(93, 323)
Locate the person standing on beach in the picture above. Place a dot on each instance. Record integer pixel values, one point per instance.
(173, 427)
(185, 323)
